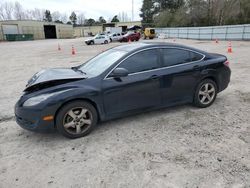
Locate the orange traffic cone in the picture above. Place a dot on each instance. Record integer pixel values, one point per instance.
(59, 47)
(73, 52)
(229, 49)
(129, 40)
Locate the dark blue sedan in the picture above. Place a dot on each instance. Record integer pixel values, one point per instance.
(118, 82)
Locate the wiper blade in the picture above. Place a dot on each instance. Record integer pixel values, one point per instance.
(78, 70)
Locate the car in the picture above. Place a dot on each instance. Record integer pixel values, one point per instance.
(118, 82)
(130, 36)
(98, 39)
(115, 37)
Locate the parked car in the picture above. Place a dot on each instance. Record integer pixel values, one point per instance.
(130, 36)
(149, 33)
(120, 81)
(115, 36)
(98, 39)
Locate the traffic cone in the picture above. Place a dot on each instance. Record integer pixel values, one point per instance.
(216, 41)
(73, 52)
(229, 49)
(59, 47)
(129, 40)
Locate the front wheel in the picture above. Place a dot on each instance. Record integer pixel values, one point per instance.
(205, 93)
(106, 42)
(76, 119)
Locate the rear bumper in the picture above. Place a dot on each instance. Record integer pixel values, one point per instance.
(224, 79)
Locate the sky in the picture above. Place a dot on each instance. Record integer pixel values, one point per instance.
(90, 8)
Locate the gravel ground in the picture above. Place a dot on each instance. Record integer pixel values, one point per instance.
(176, 147)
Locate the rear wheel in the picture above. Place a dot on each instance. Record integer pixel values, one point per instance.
(92, 42)
(76, 119)
(205, 94)
(106, 42)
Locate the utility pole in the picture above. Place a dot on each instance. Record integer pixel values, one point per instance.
(132, 10)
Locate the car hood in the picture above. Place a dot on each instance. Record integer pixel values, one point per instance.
(55, 76)
(89, 39)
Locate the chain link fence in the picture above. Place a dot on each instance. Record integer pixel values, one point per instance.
(229, 32)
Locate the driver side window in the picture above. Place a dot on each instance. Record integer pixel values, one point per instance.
(142, 61)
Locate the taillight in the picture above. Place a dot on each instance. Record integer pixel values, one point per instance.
(226, 63)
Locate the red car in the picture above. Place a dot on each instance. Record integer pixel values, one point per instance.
(131, 37)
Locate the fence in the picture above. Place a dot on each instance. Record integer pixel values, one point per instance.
(229, 32)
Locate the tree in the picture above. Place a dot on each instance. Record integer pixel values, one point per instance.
(80, 19)
(89, 22)
(102, 20)
(147, 12)
(7, 12)
(56, 16)
(58, 21)
(73, 18)
(47, 15)
(36, 14)
(171, 5)
(115, 19)
(64, 18)
(18, 11)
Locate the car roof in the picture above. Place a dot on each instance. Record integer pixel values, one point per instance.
(144, 45)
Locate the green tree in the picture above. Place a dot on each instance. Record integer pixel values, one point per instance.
(73, 18)
(101, 20)
(147, 12)
(47, 16)
(58, 21)
(115, 19)
(172, 5)
(89, 22)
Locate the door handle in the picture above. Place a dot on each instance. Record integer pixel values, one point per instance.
(154, 77)
(196, 67)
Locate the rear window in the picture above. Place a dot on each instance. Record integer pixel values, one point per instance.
(173, 56)
(152, 31)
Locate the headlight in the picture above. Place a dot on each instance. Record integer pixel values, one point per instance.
(40, 98)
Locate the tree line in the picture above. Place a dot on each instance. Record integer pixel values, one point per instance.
(15, 11)
(185, 13)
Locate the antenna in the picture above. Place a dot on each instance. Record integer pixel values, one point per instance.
(132, 10)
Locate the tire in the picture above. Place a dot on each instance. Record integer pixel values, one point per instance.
(106, 42)
(205, 93)
(111, 40)
(92, 42)
(76, 119)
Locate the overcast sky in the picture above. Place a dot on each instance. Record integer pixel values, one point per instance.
(91, 8)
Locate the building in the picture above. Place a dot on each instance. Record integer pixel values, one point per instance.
(81, 31)
(39, 29)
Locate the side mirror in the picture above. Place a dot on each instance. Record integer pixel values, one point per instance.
(119, 72)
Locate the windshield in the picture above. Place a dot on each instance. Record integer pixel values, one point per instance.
(101, 62)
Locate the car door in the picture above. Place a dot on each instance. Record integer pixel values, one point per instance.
(181, 70)
(100, 40)
(97, 40)
(139, 90)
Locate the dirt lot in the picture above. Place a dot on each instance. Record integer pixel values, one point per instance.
(177, 147)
